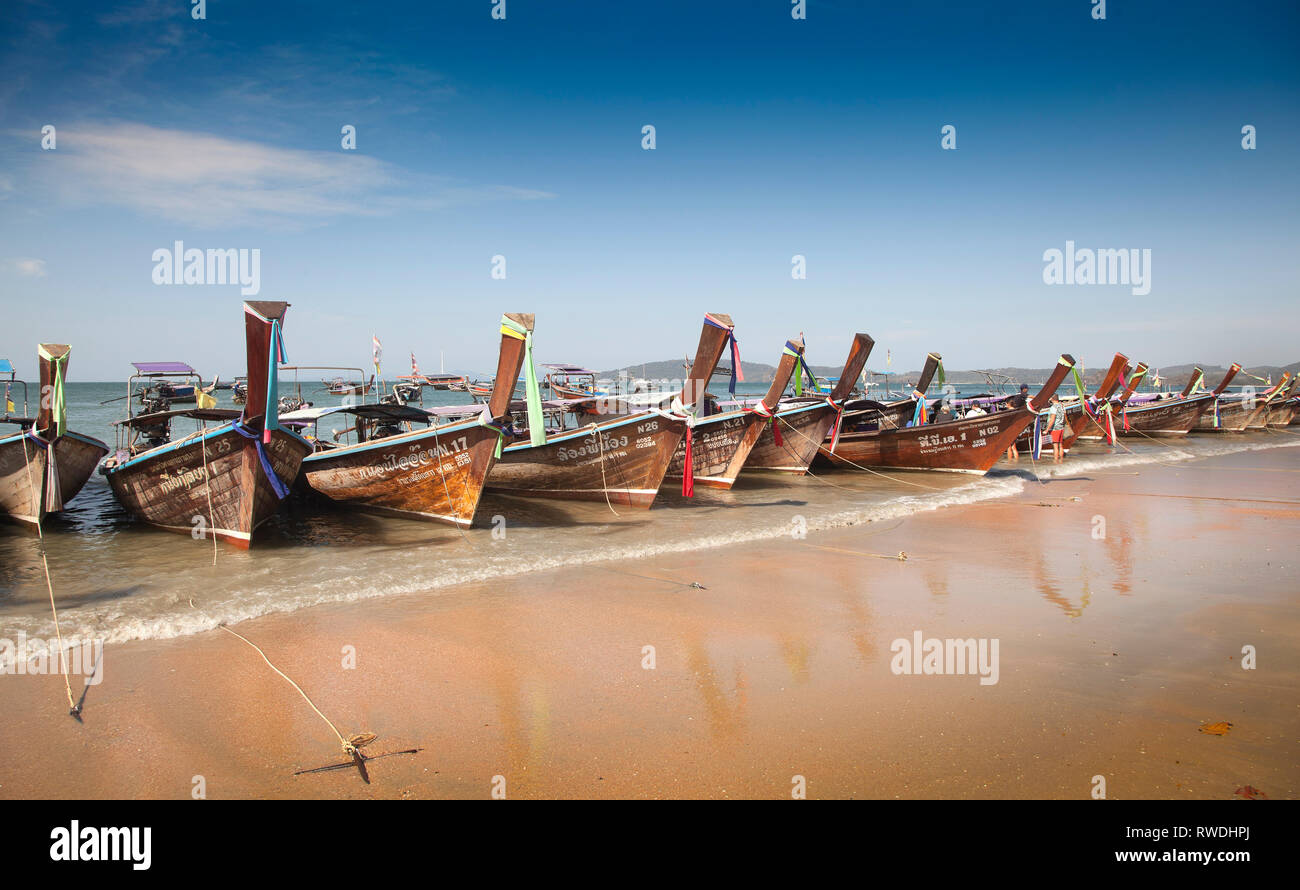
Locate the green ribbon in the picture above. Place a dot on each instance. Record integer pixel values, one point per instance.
(1078, 385)
(942, 377)
(58, 406)
(536, 425)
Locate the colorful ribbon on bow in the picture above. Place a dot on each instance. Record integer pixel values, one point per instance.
(58, 405)
(536, 423)
(919, 414)
(835, 430)
(281, 490)
(800, 367)
(736, 372)
(688, 470)
(277, 355)
(762, 411)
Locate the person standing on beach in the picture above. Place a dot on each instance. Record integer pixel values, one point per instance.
(1056, 427)
(1017, 401)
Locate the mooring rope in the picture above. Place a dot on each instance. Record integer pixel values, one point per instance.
(49, 584)
(447, 491)
(822, 447)
(604, 483)
(349, 748)
(207, 487)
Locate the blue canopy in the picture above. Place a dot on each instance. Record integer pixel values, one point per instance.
(163, 368)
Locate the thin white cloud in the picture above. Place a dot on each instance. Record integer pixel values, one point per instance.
(214, 181)
(28, 267)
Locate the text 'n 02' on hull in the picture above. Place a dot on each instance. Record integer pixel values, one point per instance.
(963, 446)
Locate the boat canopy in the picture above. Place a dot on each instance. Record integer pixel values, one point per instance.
(151, 369)
(6, 366)
(568, 369)
(384, 411)
(221, 414)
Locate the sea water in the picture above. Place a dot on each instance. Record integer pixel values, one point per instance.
(117, 579)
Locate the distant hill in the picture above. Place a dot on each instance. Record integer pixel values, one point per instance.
(758, 372)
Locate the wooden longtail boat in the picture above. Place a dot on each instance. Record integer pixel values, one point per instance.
(721, 443)
(44, 464)
(805, 422)
(433, 474)
(225, 480)
(896, 414)
(1260, 420)
(1080, 416)
(1115, 406)
(1173, 416)
(621, 460)
(1282, 410)
(1234, 413)
(962, 446)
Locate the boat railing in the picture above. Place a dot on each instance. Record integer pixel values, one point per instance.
(297, 383)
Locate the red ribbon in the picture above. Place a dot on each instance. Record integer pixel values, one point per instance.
(688, 473)
(839, 415)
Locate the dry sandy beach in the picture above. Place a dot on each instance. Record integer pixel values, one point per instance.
(1113, 652)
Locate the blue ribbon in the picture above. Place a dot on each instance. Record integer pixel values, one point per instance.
(277, 483)
(1036, 444)
(734, 349)
(272, 419)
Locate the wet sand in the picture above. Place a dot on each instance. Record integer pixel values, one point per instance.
(1112, 653)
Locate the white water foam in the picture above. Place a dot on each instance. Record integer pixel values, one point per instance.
(264, 590)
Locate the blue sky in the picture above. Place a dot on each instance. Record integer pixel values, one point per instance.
(775, 137)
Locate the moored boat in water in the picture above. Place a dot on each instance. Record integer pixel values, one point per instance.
(1167, 416)
(720, 443)
(223, 481)
(967, 446)
(43, 465)
(801, 424)
(436, 473)
(622, 459)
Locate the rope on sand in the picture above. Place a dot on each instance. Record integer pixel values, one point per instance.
(349, 745)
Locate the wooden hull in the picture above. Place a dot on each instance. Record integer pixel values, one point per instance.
(961, 446)
(719, 446)
(803, 430)
(1235, 415)
(434, 474)
(23, 475)
(1172, 417)
(1281, 415)
(167, 486)
(623, 460)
